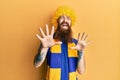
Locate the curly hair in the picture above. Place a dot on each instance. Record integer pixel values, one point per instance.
(63, 10)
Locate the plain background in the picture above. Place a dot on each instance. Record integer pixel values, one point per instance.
(20, 21)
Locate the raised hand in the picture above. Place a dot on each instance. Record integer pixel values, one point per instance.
(82, 43)
(47, 40)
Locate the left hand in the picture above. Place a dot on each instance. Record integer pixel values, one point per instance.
(82, 43)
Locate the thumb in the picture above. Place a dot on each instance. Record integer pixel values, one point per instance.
(57, 43)
(73, 47)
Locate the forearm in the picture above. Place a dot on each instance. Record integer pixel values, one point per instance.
(81, 63)
(41, 57)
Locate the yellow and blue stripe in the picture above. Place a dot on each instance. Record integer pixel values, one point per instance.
(62, 62)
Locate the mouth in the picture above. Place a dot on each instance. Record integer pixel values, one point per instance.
(65, 24)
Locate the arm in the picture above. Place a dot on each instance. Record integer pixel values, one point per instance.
(40, 57)
(81, 45)
(81, 63)
(47, 42)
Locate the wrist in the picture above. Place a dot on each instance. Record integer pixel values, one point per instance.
(45, 48)
(80, 53)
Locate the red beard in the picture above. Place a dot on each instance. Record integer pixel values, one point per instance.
(63, 35)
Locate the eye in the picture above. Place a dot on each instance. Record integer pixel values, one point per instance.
(68, 17)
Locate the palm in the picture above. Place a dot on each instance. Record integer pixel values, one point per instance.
(47, 40)
(82, 43)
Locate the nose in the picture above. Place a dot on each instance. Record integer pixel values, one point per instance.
(65, 19)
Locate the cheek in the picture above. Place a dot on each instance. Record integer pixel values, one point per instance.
(60, 21)
(69, 22)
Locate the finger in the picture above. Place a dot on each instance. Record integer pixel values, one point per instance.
(47, 30)
(38, 37)
(85, 37)
(82, 36)
(73, 48)
(79, 37)
(42, 32)
(57, 43)
(89, 42)
(52, 31)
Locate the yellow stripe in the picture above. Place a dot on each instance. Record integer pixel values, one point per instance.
(56, 49)
(72, 76)
(53, 73)
(72, 53)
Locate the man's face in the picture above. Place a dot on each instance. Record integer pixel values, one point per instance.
(64, 22)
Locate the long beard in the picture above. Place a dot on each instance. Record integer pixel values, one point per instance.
(63, 35)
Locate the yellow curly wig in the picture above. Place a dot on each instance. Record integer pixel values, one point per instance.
(63, 10)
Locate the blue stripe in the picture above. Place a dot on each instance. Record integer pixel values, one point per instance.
(64, 67)
(54, 60)
(72, 64)
(75, 41)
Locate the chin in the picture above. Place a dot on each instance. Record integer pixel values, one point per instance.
(64, 28)
(64, 31)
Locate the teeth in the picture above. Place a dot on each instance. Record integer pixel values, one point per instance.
(65, 24)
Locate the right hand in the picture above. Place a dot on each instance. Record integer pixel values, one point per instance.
(47, 40)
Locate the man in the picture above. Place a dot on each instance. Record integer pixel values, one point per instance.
(64, 54)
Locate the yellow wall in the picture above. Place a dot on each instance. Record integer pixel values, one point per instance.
(21, 19)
